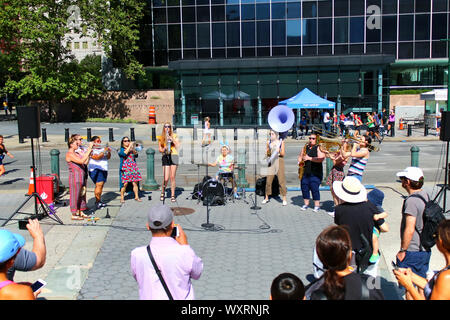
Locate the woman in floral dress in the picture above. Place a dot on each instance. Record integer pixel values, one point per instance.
(128, 170)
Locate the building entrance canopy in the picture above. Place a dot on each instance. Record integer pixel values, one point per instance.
(306, 99)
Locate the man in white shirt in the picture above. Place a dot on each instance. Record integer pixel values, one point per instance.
(98, 169)
(327, 121)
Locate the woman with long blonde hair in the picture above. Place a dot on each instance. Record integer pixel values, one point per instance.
(168, 147)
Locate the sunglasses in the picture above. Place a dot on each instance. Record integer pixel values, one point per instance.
(126, 140)
(166, 126)
(312, 138)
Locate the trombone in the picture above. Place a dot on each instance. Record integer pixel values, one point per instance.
(331, 142)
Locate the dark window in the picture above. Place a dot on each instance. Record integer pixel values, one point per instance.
(189, 36)
(159, 15)
(248, 12)
(309, 50)
(159, 3)
(325, 8)
(406, 27)
(389, 6)
(161, 57)
(356, 7)
(439, 26)
(161, 37)
(189, 54)
(341, 30)
(145, 41)
(356, 49)
(232, 2)
(309, 31)
(200, 2)
(324, 50)
(203, 14)
(233, 13)
(278, 11)
(341, 8)
(341, 49)
(188, 2)
(423, 5)
(405, 50)
(406, 6)
(262, 11)
(309, 9)
(263, 52)
(263, 33)
(174, 55)
(294, 10)
(324, 31)
(439, 5)
(248, 52)
(175, 36)
(174, 15)
(248, 34)
(188, 14)
(233, 53)
(278, 51)
(278, 33)
(438, 49)
(217, 1)
(293, 51)
(389, 28)
(422, 50)
(422, 27)
(373, 35)
(373, 48)
(172, 3)
(233, 34)
(356, 29)
(203, 35)
(293, 28)
(218, 34)
(218, 13)
(389, 48)
(218, 53)
(204, 54)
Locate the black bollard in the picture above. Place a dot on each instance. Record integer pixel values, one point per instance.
(21, 140)
(235, 134)
(194, 133)
(111, 135)
(89, 134)
(409, 130)
(132, 138)
(425, 130)
(44, 135)
(255, 134)
(66, 134)
(153, 134)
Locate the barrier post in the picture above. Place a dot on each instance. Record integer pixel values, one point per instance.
(44, 135)
(54, 166)
(150, 183)
(414, 156)
(242, 181)
(66, 135)
(89, 134)
(111, 135)
(132, 137)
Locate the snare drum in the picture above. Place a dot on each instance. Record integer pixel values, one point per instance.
(225, 175)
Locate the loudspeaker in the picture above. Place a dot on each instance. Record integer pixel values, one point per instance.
(29, 122)
(445, 126)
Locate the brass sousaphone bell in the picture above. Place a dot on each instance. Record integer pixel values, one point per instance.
(280, 119)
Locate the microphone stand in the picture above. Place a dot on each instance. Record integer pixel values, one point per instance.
(255, 206)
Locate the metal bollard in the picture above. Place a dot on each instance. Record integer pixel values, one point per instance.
(66, 134)
(255, 133)
(194, 133)
(242, 181)
(414, 156)
(150, 183)
(215, 133)
(89, 134)
(111, 135)
(54, 167)
(409, 130)
(132, 137)
(153, 134)
(329, 166)
(235, 134)
(21, 139)
(44, 135)
(425, 133)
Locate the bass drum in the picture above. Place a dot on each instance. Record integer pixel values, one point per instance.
(213, 193)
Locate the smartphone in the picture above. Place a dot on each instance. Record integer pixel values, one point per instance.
(175, 232)
(23, 224)
(38, 285)
(394, 265)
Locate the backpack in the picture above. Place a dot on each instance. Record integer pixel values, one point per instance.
(432, 216)
(362, 255)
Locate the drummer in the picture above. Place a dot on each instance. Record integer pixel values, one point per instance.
(225, 161)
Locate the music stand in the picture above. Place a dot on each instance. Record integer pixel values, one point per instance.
(38, 202)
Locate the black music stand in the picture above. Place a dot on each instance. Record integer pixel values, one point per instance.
(255, 205)
(39, 204)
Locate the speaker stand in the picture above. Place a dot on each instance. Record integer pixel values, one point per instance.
(445, 186)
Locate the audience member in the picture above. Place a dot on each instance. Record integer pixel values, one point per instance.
(3, 152)
(340, 282)
(98, 169)
(10, 245)
(174, 257)
(411, 254)
(128, 169)
(438, 288)
(376, 196)
(287, 286)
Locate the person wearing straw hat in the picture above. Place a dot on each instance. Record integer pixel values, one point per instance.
(10, 245)
(356, 213)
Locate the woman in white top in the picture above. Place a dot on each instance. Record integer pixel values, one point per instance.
(98, 169)
(206, 132)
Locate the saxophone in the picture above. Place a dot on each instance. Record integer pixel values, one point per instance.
(168, 143)
(301, 165)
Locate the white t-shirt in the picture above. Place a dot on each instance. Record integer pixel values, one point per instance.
(101, 164)
(326, 117)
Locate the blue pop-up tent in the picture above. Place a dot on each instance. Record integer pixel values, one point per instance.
(306, 99)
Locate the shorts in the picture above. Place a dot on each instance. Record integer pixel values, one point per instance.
(98, 175)
(418, 261)
(357, 176)
(169, 160)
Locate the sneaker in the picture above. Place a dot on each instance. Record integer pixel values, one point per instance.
(236, 196)
(304, 207)
(374, 258)
(265, 201)
(330, 213)
(316, 209)
(284, 203)
(98, 206)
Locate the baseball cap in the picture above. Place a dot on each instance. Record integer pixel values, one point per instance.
(159, 217)
(411, 173)
(10, 243)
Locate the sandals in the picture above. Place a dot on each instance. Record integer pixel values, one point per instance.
(172, 199)
(77, 217)
(83, 216)
(137, 199)
(161, 198)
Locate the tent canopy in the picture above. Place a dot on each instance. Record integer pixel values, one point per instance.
(306, 99)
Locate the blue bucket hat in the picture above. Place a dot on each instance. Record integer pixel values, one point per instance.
(376, 197)
(10, 243)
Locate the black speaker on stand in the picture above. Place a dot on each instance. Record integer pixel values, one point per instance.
(29, 126)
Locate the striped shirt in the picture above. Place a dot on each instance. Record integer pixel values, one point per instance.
(357, 166)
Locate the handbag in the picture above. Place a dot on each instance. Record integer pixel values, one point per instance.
(158, 272)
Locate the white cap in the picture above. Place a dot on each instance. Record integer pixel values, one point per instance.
(411, 173)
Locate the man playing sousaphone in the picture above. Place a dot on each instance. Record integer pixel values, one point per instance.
(275, 153)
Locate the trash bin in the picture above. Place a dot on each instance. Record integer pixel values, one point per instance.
(45, 188)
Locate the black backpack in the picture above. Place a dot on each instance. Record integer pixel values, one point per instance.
(432, 216)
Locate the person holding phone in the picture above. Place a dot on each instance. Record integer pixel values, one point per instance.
(128, 168)
(174, 257)
(10, 245)
(3, 152)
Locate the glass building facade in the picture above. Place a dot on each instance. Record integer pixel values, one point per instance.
(236, 59)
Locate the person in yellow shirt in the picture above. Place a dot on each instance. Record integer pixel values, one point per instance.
(168, 147)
